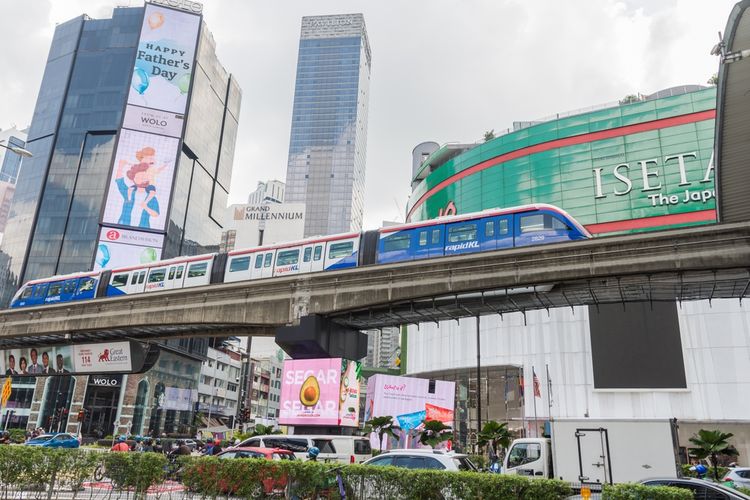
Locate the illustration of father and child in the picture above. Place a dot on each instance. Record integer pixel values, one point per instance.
(139, 199)
(24, 368)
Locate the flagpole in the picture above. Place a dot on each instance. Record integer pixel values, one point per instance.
(549, 393)
(533, 393)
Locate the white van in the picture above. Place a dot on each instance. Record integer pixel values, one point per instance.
(344, 449)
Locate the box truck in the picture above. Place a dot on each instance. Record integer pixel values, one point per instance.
(598, 451)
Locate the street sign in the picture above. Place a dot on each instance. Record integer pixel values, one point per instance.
(6, 392)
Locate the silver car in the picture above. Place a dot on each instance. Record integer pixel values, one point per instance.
(739, 476)
(702, 490)
(423, 459)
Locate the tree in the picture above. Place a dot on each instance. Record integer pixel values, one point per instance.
(434, 433)
(629, 99)
(714, 80)
(264, 430)
(381, 426)
(712, 444)
(495, 435)
(489, 135)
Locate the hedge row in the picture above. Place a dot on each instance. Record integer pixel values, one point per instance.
(642, 492)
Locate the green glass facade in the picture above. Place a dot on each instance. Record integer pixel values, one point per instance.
(641, 166)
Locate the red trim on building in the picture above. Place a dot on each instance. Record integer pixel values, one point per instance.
(567, 141)
(647, 222)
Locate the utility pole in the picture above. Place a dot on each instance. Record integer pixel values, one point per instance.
(479, 382)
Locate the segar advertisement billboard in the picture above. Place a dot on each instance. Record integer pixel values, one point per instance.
(320, 392)
(410, 401)
(148, 145)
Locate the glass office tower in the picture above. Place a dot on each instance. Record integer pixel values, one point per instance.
(327, 150)
(54, 221)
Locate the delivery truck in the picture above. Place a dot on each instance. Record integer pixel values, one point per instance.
(598, 451)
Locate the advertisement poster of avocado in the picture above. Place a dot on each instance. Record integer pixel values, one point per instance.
(141, 181)
(123, 248)
(164, 62)
(320, 392)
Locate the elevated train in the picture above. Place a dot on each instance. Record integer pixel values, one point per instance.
(445, 236)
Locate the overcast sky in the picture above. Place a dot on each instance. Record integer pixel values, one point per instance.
(442, 70)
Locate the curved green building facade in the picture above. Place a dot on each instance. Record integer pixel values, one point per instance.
(634, 167)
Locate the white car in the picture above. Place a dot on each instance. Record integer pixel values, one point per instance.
(740, 476)
(423, 458)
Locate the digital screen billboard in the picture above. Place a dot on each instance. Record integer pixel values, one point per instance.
(122, 248)
(410, 401)
(153, 121)
(164, 62)
(320, 392)
(107, 357)
(141, 181)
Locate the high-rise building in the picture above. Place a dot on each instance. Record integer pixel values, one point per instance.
(267, 192)
(383, 348)
(133, 140)
(327, 149)
(10, 162)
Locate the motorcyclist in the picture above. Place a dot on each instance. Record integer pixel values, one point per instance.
(700, 470)
(5, 437)
(182, 449)
(312, 453)
(121, 444)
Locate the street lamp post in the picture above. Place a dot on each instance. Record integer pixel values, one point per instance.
(16, 149)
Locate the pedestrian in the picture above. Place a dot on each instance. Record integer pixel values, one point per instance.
(158, 448)
(148, 445)
(216, 449)
(182, 449)
(121, 444)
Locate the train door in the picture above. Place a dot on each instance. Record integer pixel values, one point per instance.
(267, 269)
(317, 257)
(171, 280)
(136, 281)
(536, 228)
(496, 232)
(428, 242)
(463, 237)
(257, 265)
(305, 262)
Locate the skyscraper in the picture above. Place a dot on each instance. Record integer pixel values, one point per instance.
(327, 150)
(115, 98)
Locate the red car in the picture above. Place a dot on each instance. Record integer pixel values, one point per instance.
(270, 485)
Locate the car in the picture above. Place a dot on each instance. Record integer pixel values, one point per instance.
(419, 458)
(740, 476)
(702, 489)
(60, 440)
(270, 485)
(344, 449)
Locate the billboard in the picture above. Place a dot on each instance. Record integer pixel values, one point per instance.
(122, 248)
(81, 359)
(164, 63)
(153, 121)
(410, 401)
(320, 392)
(141, 182)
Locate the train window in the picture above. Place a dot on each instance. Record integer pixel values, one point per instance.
(340, 250)
(134, 279)
(267, 261)
(27, 293)
(119, 280)
(464, 232)
(197, 270)
(259, 261)
(239, 264)
(179, 272)
(542, 222)
(435, 236)
(307, 255)
(86, 284)
(502, 226)
(489, 228)
(318, 252)
(287, 258)
(171, 273)
(157, 275)
(54, 289)
(396, 242)
(70, 286)
(422, 238)
(40, 290)
(141, 277)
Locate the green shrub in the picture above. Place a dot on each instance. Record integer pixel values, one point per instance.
(746, 491)
(17, 436)
(136, 471)
(691, 473)
(643, 492)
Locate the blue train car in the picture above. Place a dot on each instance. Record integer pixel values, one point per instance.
(79, 286)
(478, 232)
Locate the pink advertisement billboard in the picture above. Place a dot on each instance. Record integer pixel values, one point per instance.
(410, 401)
(320, 392)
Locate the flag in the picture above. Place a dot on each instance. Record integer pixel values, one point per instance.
(537, 385)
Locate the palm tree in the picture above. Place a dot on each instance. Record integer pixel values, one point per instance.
(264, 430)
(496, 435)
(434, 433)
(382, 426)
(711, 444)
